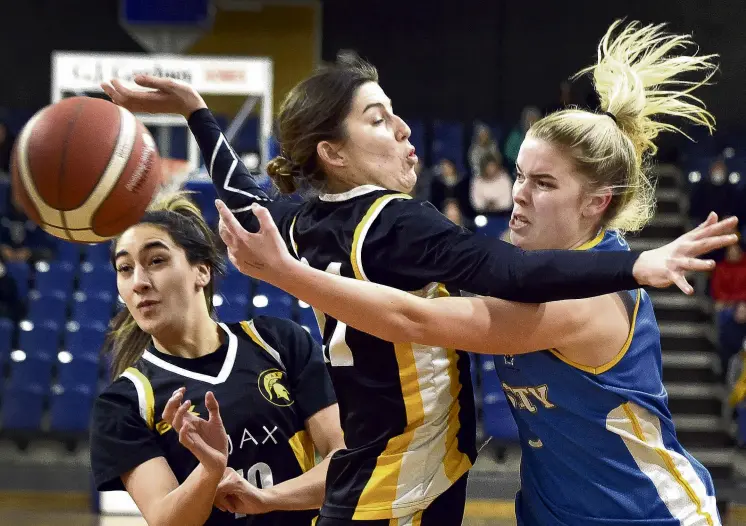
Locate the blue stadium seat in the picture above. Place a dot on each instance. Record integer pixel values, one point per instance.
(55, 277)
(70, 409)
(47, 307)
(271, 301)
(97, 252)
(7, 328)
(448, 143)
(20, 272)
(307, 319)
(98, 278)
(96, 308)
(42, 338)
(81, 370)
(67, 251)
(495, 226)
(234, 308)
(34, 369)
(234, 282)
(498, 420)
(22, 407)
(84, 340)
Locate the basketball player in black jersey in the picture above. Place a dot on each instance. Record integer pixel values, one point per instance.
(407, 410)
(157, 431)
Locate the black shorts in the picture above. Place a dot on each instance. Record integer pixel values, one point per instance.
(446, 510)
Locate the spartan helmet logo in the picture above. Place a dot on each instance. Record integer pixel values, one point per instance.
(272, 384)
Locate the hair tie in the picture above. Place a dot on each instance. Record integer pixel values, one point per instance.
(613, 117)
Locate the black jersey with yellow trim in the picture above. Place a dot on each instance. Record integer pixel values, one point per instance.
(407, 410)
(269, 377)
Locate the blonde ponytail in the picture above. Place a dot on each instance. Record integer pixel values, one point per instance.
(637, 78)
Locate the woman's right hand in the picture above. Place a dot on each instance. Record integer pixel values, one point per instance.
(262, 255)
(206, 439)
(163, 96)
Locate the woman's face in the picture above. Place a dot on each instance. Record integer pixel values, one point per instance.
(551, 208)
(377, 148)
(155, 279)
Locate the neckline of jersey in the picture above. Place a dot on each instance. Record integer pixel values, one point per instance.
(350, 194)
(225, 370)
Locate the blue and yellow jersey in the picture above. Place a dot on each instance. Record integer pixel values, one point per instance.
(598, 443)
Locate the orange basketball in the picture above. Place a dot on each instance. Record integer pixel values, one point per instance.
(85, 169)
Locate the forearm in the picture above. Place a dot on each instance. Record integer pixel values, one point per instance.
(191, 502)
(385, 312)
(232, 180)
(506, 272)
(305, 492)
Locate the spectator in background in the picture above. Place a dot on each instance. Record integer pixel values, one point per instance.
(6, 147)
(481, 145)
(448, 183)
(423, 186)
(731, 333)
(492, 188)
(529, 116)
(21, 239)
(728, 284)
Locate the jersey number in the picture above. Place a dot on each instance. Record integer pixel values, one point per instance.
(260, 476)
(336, 352)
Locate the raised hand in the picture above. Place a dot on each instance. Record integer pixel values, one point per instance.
(668, 265)
(206, 439)
(162, 96)
(262, 255)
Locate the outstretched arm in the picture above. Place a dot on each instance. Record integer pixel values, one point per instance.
(234, 183)
(391, 314)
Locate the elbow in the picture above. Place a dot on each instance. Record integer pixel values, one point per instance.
(409, 324)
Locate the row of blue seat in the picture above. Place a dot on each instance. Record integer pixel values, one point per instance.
(23, 408)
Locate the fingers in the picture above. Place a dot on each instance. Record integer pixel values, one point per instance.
(173, 404)
(230, 222)
(178, 422)
(694, 265)
(148, 81)
(681, 282)
(726, 226)
(266, 223)
(213, 408)
(708, 244)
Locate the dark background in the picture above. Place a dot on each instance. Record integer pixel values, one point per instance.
(437, 59)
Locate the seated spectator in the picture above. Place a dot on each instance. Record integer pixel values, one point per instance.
(481, 145)
(452, 210)
(731, 334)
(21, 239)
(529, 116)
(448, 183)
(492, 189)
(729, 278)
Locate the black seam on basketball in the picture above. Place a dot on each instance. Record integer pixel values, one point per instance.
(63, 162)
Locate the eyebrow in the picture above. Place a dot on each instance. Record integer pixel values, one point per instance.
(374, 104)
(147, 246)
(540, 176)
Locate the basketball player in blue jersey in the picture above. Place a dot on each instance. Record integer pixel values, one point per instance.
(583, 376)
(407, 409)
(157, 430)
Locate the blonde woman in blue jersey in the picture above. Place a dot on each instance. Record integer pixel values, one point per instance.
(583, 376)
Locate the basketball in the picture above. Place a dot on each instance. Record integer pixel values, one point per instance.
(84, 169)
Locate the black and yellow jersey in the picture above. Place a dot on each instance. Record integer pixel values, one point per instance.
(407, 410)
(269, 377)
